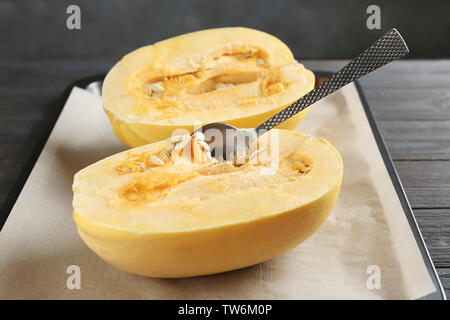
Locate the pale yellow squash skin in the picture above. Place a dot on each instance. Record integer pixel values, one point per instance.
(184, 54)
(135, 134)
(215, 248)
(208, 250)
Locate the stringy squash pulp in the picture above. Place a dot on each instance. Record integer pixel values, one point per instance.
(239, 76)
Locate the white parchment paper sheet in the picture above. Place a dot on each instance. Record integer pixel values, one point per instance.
(367, 227)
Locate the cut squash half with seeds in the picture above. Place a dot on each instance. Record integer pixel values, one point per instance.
(239, 76)
(192, 215)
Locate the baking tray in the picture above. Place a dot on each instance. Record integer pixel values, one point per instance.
(94, 84)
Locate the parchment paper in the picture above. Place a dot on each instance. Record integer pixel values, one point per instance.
(366, 228)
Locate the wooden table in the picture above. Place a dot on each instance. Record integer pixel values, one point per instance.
(410, 101)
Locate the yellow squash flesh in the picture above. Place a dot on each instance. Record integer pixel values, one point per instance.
(184, 220)
(239, 76)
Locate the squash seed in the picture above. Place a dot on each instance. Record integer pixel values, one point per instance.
(164, 155)
(204, 145)
(169, 146)
(199, 135)
(155, 160)
(175, 139)
(141, 165)
(155, 87)
(221, 85)
(180, 145)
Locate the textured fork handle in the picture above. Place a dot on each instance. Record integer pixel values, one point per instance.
(388, 48)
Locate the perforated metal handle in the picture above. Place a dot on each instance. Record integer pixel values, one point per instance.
(388, 48)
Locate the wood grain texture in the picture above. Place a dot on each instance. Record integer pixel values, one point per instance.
(426, 183)
(410, 104)
(444, 275)
(417, 140)
(435, 229)
(410, 101)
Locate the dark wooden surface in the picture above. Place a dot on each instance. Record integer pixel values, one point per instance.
(410, 100)
(312, 28)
